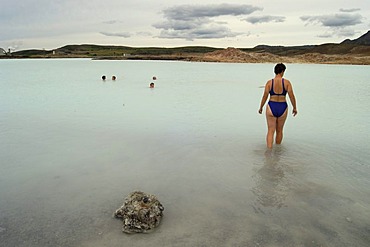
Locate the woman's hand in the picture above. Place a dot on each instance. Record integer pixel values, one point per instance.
(295, 112)
(260, 111)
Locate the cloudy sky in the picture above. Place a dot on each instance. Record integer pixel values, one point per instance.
(49, 24)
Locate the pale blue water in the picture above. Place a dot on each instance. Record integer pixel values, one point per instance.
(72, 147)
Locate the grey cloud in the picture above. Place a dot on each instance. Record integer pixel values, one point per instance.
(29, 11)
(325, 35)
(123, 34)
(265, 18)
(188, 12)
(198, 21)
(339, 24)
(338, 33)
(349, 10)
(144, 33)
(199, 33)
(180, 24)
(334, 20)
(346, 33)
(213, 33)
(111, 22)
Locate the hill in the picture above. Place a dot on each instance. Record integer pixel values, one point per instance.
(237, 56)
(355, 51)
(363, 40)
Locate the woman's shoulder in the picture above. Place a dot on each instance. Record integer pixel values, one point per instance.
(287, 81)
(287, 84)
(268, 83)
(267, 86)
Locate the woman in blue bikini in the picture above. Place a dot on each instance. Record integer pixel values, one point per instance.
(277, 107)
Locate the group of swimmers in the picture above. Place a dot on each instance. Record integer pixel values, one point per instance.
(151, 85)
(113, 77)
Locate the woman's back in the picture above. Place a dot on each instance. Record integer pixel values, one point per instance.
(278, 89)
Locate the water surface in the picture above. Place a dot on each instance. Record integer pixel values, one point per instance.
(72, 147)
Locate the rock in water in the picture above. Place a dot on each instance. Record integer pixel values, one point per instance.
(140, 212)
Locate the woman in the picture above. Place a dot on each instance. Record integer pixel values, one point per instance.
(277, 108)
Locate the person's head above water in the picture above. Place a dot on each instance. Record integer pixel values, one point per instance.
(103, 77)
(151, 85)
(279, 68)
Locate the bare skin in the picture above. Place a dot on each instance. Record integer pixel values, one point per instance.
(276, 124)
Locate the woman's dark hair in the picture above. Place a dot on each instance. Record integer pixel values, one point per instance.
(279, 68)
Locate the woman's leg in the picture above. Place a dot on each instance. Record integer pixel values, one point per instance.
(271, 127)
(279, 127)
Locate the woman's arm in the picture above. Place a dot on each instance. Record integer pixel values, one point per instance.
(264, 97)
(292, 98)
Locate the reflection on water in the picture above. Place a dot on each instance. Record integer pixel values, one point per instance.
(272, 183)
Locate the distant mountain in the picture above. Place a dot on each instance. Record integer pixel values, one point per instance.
(359, 46)
(363, 40)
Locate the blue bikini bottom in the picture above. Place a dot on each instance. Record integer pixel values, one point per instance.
(278, 108)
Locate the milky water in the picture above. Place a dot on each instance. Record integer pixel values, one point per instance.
(72, 147)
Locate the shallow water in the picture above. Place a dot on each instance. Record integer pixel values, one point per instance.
(72, 147)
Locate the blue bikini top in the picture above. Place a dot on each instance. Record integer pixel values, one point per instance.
(272, 89)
